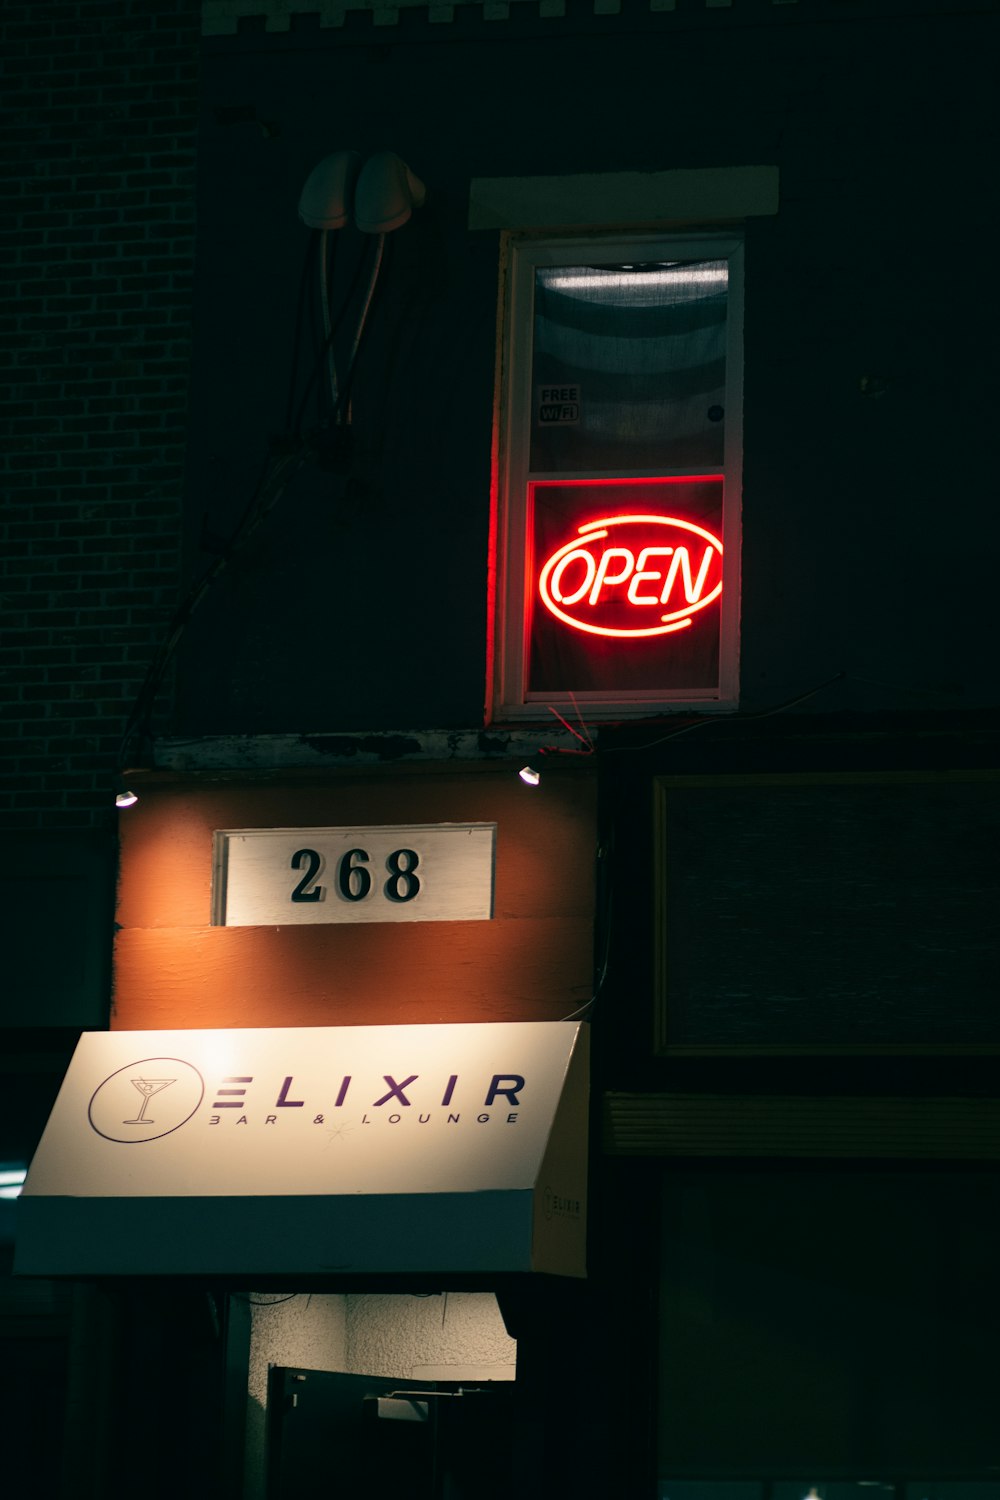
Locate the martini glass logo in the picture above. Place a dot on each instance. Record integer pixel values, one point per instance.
(147, 1088)
(176, 1086)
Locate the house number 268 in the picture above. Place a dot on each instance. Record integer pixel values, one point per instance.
(354, 879)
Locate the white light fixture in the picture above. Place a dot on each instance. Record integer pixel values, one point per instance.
(124, 796)
(326, 198)
(387, 192)
(530, 775)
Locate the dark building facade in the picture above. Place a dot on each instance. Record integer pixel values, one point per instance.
(400, 395)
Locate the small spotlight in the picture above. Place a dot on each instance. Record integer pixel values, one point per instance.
(530, 775)
(124, 796)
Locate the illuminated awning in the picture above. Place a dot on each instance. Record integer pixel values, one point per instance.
(342, 1150)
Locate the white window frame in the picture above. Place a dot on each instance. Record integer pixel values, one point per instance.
(514, 601)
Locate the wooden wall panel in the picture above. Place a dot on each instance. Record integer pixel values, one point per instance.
(819, 1125)
(533, 961)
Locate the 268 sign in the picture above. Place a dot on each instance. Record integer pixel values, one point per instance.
(277, 877)
(353, 877)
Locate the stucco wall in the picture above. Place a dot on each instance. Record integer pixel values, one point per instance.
(454, 1336)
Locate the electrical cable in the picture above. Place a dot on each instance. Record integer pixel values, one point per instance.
(325, 269)
(300, 310)
(606, 897)
(274, 1302)
(583, 738)
(605, 853)
(365, 309)
(277, 473)
(278, 469)
(736, 718)
(321, 357)
(268, 491)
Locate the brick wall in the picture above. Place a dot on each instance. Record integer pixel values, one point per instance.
(96, 258)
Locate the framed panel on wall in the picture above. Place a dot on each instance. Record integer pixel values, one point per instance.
(843, 912)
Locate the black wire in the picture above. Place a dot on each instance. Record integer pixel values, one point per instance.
(275, 477)
(276, 473)
(606, 884)
(275, 1302)
(335, 327)
(374, 296)
(736, 718)
(312, 249)
(605, 900)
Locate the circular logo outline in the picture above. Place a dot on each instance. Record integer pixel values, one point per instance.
(144, 1139)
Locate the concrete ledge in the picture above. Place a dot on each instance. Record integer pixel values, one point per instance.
(622, 199)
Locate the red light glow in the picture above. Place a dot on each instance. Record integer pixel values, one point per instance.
(605, 585)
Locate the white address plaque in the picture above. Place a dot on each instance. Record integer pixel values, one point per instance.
(414, 872)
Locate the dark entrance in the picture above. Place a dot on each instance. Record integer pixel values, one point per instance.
(352, 1435)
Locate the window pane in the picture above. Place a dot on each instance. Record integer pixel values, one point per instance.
(629, 366)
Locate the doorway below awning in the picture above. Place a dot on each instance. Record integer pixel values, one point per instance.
(446, 1340)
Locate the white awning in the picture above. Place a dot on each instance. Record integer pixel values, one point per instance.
(340, 1150)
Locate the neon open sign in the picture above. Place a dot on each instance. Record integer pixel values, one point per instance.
(632, 575)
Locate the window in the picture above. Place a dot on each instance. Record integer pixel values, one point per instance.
(619, 475)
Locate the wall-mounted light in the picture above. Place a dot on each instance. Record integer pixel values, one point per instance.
(329, 190)
(380, 195)
(124, 796)
(530, 774)
(386, 194)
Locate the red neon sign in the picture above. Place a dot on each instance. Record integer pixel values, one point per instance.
(632, 576)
